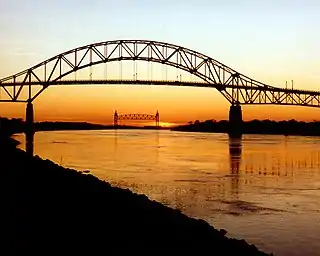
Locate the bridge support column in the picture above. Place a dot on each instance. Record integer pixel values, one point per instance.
(235, 120)
(29, 128)
(115, 119)
(157, 119)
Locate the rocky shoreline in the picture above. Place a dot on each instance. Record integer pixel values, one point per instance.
(46, 208)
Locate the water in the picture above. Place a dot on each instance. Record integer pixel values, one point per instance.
(263, 188)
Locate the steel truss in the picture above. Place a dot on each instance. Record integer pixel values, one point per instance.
(117, 117)
(235, 87)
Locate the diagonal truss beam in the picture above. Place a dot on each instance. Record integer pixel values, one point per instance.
(235, 87)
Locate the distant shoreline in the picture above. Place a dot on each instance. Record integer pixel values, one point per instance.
(278, 134)
(101, 128)
(263, 127)
(18, 126)
(53, 126)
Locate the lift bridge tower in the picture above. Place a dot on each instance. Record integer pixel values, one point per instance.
(118, 117)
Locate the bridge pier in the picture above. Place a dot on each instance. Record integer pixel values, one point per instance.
(29, 128)
(157, 119)
(235, 120)
(115, 119)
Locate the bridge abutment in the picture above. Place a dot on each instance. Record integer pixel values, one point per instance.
(29, 128)
(235, 120)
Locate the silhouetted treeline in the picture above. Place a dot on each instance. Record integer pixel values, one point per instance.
(10, 126)
(7, 128)
(291, 127)
(17, 125)
(51, 126)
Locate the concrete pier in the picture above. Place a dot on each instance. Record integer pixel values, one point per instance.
(235, 120)
(29, 128)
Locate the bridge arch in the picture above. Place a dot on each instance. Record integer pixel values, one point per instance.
(237, 88)
(209, 70)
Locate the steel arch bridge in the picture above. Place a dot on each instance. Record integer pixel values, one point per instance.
(237, 88)
(117, 117)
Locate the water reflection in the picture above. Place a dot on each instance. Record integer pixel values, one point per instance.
(280, 160)
(263, 188)
(235, 150)
(157, 145)
(115, 146)
(127, 148)
(29, 137)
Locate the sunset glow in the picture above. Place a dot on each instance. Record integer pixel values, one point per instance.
(153, 126)
(285, 49)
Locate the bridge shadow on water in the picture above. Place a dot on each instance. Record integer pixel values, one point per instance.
(29, 147)
(235, 155)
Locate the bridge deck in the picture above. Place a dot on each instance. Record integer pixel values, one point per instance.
(158, 82)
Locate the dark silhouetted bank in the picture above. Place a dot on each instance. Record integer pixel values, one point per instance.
(46, 208)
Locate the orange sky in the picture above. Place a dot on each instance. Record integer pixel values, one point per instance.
(176, 105)
(97, 103)
(271, 42)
